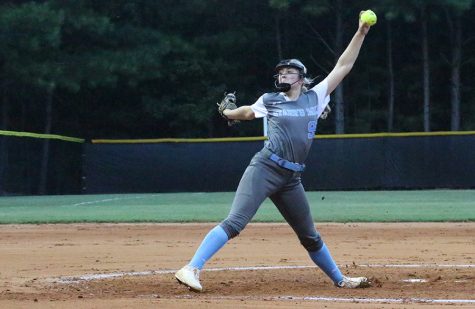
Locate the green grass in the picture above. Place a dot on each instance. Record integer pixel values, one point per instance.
(334, 206)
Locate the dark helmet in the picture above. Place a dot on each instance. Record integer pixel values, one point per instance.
(293, 63)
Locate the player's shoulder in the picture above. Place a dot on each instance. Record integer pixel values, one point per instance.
(321, 86)
(310, 91)
(272, 97)
(269, 95)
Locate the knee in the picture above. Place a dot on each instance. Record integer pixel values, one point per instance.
(232, 229)
(312, 243)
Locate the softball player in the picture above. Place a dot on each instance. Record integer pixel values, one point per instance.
(274, 172)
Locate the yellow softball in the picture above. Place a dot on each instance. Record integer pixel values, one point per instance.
(369, 17)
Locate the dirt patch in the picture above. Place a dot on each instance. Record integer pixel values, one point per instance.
(411, 265)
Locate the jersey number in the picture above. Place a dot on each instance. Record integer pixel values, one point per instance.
(312, 127)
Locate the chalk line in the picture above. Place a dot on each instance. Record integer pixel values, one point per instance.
(415, 280)
(343, 299)
(112, 200)
(378, 300)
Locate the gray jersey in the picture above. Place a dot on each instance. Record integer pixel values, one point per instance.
(292, 124)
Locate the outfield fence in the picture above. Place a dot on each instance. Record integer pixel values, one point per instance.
(335, 162)
(52, 164)
(33, 164)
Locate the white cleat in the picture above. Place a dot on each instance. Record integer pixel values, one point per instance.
(354, 283)
(189, 276)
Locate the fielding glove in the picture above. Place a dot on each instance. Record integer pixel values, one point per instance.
(228, 102)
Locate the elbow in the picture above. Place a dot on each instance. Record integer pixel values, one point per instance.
(345, 68)
(249, 115)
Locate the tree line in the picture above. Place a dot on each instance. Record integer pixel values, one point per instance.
(151, 69)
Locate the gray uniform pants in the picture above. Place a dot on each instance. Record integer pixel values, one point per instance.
(264, 178)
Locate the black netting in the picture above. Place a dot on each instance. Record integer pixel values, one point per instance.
(21, 166)
(410, 162)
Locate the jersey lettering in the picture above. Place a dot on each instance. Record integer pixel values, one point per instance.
(293, 112)
(312, 127)
(312, 111)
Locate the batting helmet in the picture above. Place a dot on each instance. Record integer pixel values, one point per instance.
(293, 63)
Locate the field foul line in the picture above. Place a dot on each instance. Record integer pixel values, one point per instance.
(379, 300)
(92, 277)
(111, 200)
(350, 300)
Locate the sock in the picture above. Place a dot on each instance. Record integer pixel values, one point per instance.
(214, 240)
(324, 260)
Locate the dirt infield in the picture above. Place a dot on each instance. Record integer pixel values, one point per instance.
(412, 265)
